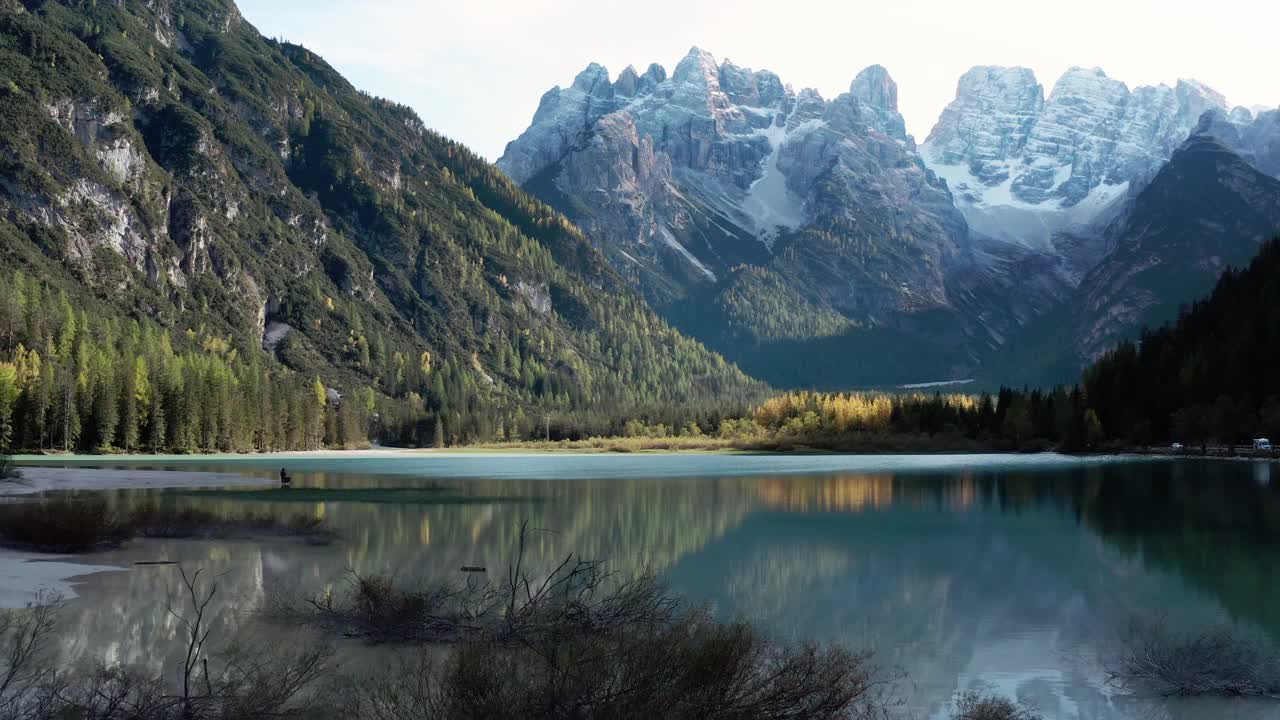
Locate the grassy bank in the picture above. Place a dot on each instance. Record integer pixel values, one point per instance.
(866, 443)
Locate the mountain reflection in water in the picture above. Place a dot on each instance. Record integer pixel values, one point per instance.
(1012, 578)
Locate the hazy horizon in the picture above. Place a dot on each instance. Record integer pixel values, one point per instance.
(475, 71)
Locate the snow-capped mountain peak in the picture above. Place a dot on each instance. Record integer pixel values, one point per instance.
(692, 175)
(767, 214)
(1023, 168)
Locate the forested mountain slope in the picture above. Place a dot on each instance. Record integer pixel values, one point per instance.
(1205, 211)
(1211, 374)
(163, 164)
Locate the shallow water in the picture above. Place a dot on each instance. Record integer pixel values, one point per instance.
(964, 572)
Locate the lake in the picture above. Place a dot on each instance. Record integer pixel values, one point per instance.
(1007, 573)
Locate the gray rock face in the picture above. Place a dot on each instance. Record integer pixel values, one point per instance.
(989, 122)
(682, 179)
(563, 114)
(1255, 139)
(798, 217)
(1023, 168)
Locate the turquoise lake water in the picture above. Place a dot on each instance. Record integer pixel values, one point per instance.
(1010, 573)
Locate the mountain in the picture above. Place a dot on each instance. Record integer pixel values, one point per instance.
(1056, 194)
(1023, 168)
(813, 242)
(756, 216)
(163, 161)
(1205, 211)
(1209, 374)
(1256, 138)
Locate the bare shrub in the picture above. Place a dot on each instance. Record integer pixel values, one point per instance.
(281, 683)
(251, 684)
(694, 668)
(254, 683)
(976, 706)
(1155, 659)
(579, 643)
(113, 693)
(577, 597)
(25, 674)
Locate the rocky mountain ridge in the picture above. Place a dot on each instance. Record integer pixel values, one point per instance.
(1023, 167)
(771, 222)
(1205, 211)
(748, 212)
(692, 174)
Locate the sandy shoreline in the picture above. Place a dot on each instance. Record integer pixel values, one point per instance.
(25, 577)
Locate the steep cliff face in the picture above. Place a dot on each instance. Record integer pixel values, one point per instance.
(1255, 138)
(1023, 168)
(688, 176)
(781, 226)
(744, 209)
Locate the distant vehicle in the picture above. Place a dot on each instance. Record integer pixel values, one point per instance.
(1176, 446)
(1261, 444)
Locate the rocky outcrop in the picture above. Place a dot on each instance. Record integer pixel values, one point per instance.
(562, 116)
(1254, 138)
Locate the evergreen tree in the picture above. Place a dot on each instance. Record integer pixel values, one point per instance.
(8, 399)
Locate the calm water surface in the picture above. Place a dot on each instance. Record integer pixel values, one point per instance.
(965, 572)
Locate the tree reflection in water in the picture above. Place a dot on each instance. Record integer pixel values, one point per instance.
(963, 578)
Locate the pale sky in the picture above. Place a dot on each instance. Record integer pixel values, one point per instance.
(475, 69)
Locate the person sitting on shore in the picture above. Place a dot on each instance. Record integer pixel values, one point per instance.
(285, 480)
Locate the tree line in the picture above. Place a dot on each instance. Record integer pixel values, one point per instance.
(73, 379)
(78, 375)
(1209, 376)
(1019, 420)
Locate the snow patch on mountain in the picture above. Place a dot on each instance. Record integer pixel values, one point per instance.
(674, 244)
(996, 211)
(769, 203)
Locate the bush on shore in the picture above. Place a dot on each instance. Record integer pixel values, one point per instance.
(1158, 660)
(577, 598)
(579, 642)
(976, 706)
(694, 668)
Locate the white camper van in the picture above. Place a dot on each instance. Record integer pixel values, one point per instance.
(1261, 444)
